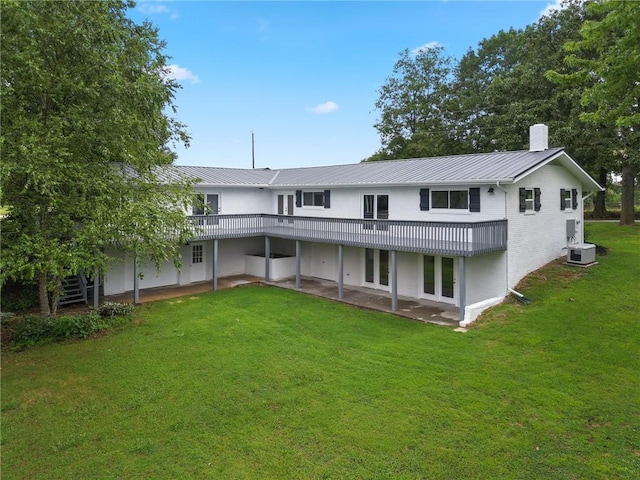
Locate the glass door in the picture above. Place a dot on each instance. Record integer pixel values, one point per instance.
(447, 280)
(285, 208)
(439, 278)
(375, 206)
(213, 208)
(376, 268)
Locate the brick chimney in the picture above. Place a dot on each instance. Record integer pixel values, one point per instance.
(538, 137)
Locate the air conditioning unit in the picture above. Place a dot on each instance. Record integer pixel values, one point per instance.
(581, 254)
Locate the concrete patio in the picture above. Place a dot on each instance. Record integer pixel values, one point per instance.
(420, 310)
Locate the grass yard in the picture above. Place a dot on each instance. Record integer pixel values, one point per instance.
(264, 383)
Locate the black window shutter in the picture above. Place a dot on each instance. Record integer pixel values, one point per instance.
(474, 199)
(298, 198)
(574, 195)
(536, 199)
(424, 199)
(327, 199)
(562, 191)
(523, 199)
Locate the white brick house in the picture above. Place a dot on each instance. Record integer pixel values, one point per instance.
(460, 230)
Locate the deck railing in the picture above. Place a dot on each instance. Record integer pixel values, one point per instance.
(443, 238)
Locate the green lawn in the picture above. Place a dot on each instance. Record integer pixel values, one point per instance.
(263, 383)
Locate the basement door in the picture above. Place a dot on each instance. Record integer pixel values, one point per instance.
(376, 269)
(198, 263)
(439, 278)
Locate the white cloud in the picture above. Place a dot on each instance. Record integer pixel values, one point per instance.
(176, 72)
(426, 46)
(157, 8)
(326, 107)
(552, 7)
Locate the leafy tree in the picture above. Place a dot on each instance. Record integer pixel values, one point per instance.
(607, 62)
(502, 89)
(84, 138)
(412, 105)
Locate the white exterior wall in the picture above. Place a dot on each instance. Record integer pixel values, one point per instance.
(114, 279)
(536, 238)
(404, 204)
(486, 277)
(240, 200)
(120, 276)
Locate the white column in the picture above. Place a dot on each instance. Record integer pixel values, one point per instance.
(267, 255)
(341, 271)
(298, 251)
(136, 286)
(215, 264)
(462, 286)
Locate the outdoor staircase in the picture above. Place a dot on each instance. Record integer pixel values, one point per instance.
(74, 290)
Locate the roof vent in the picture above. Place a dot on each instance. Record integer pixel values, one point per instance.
(538, 137)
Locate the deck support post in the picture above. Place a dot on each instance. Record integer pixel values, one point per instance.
(215, 264)
(340, 271)
(462, 286)
(298, 251)
(394, 282)
(96, 288)
(267, 256)
(136, 281)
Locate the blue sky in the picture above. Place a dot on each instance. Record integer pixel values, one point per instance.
(303, 76)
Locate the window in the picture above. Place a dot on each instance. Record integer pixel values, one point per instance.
(313, 199)
(530, 199)
(316, 199)
(455, 199)
(198, 206)
(196, 254)
(568, 199)
(565, 199)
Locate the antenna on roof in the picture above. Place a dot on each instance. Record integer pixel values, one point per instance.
(253, 151)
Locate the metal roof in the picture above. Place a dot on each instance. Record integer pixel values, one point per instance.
(473, 168)
(476, 168)
(227, 176)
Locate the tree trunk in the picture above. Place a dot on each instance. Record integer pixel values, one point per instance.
(55, 297)
(599, 205)
(627, 212)
(43, 294)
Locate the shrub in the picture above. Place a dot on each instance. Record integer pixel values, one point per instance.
(33, 329)
(115, 309)
(83, 325)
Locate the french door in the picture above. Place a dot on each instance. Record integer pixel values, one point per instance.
(376, 268)
(439, 278)
(285, 206)
(375, 206)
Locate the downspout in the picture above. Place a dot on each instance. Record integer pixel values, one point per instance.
(506, 269)
(582, 219)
